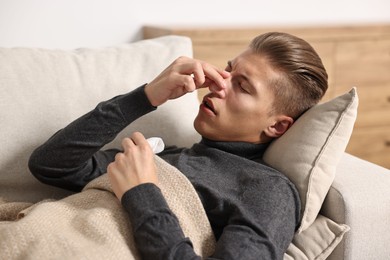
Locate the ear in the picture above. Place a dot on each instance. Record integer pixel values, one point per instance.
(281, 125)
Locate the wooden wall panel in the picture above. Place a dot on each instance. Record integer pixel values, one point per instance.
(362, 62)
(372, 144)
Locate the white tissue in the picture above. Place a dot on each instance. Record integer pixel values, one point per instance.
(156, 143)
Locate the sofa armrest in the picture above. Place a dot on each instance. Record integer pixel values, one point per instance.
(360, 198)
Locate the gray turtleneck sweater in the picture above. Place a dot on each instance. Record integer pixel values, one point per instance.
(253, 209)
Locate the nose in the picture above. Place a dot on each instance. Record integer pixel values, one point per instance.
(218, 91)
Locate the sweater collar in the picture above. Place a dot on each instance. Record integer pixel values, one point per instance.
(243, 149)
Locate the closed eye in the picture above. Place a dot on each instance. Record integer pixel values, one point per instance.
(244, 89)
(238, 80)
(241, 87)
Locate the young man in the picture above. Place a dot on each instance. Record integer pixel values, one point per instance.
(253, 209)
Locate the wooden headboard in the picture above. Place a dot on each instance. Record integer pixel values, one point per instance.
(353, 56)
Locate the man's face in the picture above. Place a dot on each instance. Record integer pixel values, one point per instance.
(243, 113)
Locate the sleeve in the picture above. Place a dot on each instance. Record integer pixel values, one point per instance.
(72, 157)
(264, 226)
(156, 229)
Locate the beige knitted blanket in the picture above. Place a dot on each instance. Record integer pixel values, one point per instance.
(93, 225)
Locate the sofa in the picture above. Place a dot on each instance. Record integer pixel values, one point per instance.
(346, 200)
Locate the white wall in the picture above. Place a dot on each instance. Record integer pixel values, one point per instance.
(98, 23)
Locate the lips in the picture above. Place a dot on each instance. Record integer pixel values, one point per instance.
(208, 104)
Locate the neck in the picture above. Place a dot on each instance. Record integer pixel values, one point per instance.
(243, 149)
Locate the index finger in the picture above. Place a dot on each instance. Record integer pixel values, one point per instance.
(138, 138)
(215, 75)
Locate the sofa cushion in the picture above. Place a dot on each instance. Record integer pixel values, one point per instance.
(42, 90)
(310, 150)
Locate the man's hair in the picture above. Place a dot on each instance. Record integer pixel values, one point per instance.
(302, 79)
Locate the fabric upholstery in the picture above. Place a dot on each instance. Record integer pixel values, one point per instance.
(42, 90)
(360, 195)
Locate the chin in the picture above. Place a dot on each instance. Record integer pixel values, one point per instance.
(204, 130)
(198, 127)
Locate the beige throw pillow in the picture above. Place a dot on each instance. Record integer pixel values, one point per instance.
(310, 150)
(316, 242)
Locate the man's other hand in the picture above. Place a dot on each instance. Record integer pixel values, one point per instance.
(134, 166)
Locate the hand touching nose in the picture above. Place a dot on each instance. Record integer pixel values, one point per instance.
(182, 76)
(220, 92)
